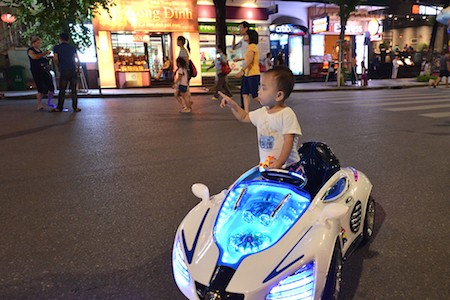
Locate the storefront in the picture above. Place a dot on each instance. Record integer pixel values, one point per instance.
(133, 39)
(257, 18)
(287, 45)
(325, 31)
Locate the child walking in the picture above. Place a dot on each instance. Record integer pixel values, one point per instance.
(181, 82)
(277, 125)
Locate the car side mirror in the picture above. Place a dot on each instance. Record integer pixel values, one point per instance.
(201, 191)
(332, 211)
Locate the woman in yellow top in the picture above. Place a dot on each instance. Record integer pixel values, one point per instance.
(250, 70)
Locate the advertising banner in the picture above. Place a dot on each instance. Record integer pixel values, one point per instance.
(149, 16)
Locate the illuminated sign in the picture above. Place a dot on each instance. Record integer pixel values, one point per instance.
(148, 15)
(211, 27)
(373, 27)
(320, 24)
(425, 10)
(349, 28)
(286, 29)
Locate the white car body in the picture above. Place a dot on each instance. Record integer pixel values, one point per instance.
(217, 256)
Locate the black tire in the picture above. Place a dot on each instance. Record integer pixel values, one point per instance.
(369, 221)
(333, 284)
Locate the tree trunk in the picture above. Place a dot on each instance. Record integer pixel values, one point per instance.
(341, 49)
(221, 26)
(432, 40)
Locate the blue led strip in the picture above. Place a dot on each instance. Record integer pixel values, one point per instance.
(190, 252)
(276, 272)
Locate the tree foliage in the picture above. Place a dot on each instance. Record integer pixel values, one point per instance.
(48, 18)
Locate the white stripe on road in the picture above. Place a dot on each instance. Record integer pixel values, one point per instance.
(437, 115)
(363, 98)
(405, 102)
(421, 107)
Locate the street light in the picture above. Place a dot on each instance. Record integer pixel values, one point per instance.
(9, 19)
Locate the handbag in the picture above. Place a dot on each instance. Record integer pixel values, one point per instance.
(192, 69)
(226, 68)
(45, 66)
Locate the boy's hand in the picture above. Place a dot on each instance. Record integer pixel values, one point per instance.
(226, 101)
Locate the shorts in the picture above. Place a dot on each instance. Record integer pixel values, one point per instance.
(182, 88)
(443, 73)
(250, 85)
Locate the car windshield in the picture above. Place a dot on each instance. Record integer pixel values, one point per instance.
(255, 214)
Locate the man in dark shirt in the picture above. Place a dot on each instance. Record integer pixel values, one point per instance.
(67, 62)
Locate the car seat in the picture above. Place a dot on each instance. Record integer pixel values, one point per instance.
(319, 163)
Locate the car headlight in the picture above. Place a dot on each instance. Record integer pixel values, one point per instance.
(180, 270)
(298, 286)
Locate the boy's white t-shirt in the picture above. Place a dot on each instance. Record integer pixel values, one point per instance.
(270, 130)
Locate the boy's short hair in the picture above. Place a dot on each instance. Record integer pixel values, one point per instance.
(284, 78)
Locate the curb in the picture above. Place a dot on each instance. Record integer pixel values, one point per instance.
(235, 91)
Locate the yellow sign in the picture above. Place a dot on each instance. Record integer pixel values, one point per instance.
(149, 15)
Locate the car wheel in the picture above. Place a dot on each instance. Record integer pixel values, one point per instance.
(334, 277)
(369, 221)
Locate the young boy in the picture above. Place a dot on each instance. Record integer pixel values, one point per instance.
(277, 125)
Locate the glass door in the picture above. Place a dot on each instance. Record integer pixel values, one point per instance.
(158, 47)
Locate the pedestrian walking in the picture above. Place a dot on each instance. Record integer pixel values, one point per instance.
(184, 53)
(40, 70)
(353, 71)
(364, 77)
(395, 65)
(250, 71)
(181, 85)
(241, 46)
(67, 61)
(222, 71)
(444, 69)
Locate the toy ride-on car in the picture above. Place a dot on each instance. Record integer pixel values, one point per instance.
(275, 234)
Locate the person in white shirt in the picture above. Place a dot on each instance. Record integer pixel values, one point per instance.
(268, 62)
(241, 46)
(181, 86)
(277, 125)
(395, 65)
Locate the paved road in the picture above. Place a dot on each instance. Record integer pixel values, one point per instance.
(90, 201)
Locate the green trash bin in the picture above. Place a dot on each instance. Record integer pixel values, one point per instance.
(3, 83)
(17, 78)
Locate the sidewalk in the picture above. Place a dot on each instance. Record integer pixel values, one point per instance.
(199, 90)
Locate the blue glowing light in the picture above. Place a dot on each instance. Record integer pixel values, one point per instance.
(254, 216)
(299, 286)
(180, 270)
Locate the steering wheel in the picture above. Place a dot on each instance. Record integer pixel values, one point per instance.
(284, 176)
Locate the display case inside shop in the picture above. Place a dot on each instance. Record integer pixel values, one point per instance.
(130, 61)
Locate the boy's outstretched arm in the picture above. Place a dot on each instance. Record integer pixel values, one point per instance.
(238, 112)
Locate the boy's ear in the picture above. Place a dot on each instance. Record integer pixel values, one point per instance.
(280, 96)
